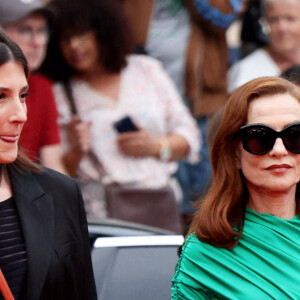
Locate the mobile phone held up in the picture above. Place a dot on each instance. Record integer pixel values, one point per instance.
(124, 125)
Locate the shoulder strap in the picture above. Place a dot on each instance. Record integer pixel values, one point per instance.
(69, 93)
(70, 96)
(5, 290)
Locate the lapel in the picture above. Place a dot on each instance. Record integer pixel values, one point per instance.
(35, 208)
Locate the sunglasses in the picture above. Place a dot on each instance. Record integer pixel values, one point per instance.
(259, 139)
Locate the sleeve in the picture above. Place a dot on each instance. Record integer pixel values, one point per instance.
(50, 125)
(178, 117)
(89, 287)
(184, 286)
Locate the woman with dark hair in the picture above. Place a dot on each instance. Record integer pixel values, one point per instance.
(244, 240)
(101, 82)
(110, 29)
(45, 252)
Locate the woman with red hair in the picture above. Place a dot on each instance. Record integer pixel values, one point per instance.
(244, 240)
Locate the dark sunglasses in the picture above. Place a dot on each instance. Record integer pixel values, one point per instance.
(259, 139)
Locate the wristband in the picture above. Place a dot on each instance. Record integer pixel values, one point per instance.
(165, 150)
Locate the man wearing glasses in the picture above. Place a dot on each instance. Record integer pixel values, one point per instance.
(26, 22)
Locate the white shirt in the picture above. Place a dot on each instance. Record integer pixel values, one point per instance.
(257, 64)
(148, 95)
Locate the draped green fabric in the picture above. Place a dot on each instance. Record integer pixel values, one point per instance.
(264, 265)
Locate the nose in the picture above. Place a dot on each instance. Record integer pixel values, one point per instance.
(18, 112)
(278, 149)
(39, 38)
(281, 24)
(73, 41)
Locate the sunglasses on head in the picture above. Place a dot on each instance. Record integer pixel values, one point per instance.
(259, 139)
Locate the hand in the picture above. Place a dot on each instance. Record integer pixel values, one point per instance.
(138, 144)
(79, 135)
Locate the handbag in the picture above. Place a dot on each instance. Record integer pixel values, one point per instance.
(152, 207)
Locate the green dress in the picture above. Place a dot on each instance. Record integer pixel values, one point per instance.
(264, 265)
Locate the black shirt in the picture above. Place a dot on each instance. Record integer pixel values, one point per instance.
(13, 259)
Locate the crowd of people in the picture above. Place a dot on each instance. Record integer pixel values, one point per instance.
(107, 81)
(90, 70)
(137, 105)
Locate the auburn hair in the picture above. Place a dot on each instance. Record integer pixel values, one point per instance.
(219, 219)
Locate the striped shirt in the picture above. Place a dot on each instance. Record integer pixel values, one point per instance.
(13, 259)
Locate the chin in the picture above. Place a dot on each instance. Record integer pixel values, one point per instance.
(8, 158)
(284, 187)
(34, 64)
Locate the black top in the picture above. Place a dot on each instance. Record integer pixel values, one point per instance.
(13, 260)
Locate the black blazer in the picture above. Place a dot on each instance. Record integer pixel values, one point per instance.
(54, 226)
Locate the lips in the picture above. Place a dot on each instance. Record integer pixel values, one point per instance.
(9, 138)
(279, 168)
(76, 55)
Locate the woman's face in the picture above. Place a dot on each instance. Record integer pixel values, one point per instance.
(81, 51)
(13, 111)
(284, 21)
(279, 169)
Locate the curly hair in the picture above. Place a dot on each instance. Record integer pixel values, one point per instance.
(105, 18)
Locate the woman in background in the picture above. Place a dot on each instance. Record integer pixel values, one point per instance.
(244, 241)
(45, 251)
(94, 48)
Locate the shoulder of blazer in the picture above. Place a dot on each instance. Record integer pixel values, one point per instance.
(44, 181)
(49, 178)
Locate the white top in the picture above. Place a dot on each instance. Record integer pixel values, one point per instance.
(257, 64)
(148, 95)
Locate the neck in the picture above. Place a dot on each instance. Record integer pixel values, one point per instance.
(103, 81)
(5, 186)
(92, 74)
(280, 204)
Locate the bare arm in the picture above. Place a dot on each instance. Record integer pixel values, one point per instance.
(79, 135)
(142, 144)
(71, 160)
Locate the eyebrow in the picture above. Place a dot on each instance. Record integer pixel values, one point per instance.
(25, 87)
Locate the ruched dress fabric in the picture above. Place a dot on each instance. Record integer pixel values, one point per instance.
(264, 265)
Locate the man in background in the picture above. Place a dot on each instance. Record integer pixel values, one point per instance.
(27, 23)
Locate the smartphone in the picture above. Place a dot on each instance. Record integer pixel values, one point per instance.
(125, 125)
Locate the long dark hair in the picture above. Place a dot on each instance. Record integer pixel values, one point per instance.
(10, 51)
